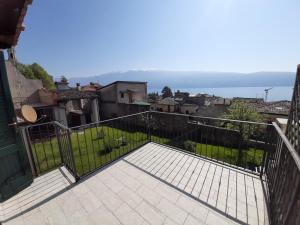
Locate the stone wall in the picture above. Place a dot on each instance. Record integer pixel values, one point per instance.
(112, 110)
(23, 90)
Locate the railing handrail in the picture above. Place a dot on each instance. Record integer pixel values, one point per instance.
(213, 118)
(108, 120)
(166, 113)
(46, 123)
(289, 146)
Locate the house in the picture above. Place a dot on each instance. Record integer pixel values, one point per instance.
(188, 108)
(181, 95)
(69, 106)
(80, 107)
(166, 105)
(122, 98)
(222, 101)
(31, 92)
(197, 100)
(92, 87)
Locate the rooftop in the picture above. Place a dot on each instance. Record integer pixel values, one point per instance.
(124, 82)
(73, 93)
(12, 14)
(168, 101)
(153, 185)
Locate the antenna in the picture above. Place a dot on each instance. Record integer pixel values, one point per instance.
(267, 92)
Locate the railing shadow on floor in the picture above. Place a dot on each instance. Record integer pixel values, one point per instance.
(169, 167)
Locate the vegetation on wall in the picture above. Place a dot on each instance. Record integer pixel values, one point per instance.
(36, 71)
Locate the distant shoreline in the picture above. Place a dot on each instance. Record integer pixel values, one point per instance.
(276, 94)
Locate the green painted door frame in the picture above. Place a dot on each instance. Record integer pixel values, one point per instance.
(15, 172)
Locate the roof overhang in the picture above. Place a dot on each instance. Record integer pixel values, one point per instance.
(12, 13)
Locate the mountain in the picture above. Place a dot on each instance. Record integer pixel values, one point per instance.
(179, 79)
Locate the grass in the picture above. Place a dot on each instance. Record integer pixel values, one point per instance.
(96, 147)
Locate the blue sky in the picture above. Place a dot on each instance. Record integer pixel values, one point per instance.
(90, 37)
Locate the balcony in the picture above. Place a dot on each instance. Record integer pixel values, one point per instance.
(158, 168)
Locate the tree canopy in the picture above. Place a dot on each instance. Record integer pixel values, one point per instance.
(153, 95)
(35, 71)
(243, 111)
(166, 92)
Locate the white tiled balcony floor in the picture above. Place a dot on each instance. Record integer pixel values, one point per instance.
(153, 185)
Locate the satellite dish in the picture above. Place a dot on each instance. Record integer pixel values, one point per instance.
(29, 113)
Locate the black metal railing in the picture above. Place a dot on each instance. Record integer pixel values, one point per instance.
(258, 148)
(86, 148)
(241, 144)
(282, 173)
(50, 147)
(98, 144)
(293, 126)
(282, 170)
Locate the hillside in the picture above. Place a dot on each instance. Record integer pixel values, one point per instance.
(157, 79)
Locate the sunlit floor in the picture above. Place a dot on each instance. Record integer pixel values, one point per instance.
(153, 185)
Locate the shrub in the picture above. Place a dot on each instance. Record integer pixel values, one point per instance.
(189, 146)
(122, 141)
(100, 134)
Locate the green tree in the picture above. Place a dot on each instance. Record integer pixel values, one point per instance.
(166, 92)
(25, 70)
(153, 95)
(243, 112)
(35, 71)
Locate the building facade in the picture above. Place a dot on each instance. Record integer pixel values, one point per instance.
(122, 98)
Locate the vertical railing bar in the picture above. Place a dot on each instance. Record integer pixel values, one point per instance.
(43, 146)
(80, 153)
(118, 136)
(50, 140)
(36, 154)
(93, 147)
(28, 138)
(87, 148)
(105, 155)
(65, 147)
(72, 156)
(59, 143)
(99, 144)
(124, 139)
(111, 149)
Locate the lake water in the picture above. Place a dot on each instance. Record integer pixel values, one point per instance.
(276, 94)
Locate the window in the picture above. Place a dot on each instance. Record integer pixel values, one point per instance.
(122, 95)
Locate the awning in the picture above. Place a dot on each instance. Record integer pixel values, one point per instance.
(12, 13)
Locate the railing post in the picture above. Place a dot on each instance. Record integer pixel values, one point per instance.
(263, 168)
(148, 128)
(27, 143)
(59, 144)
(270, 131)
(72, 156)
